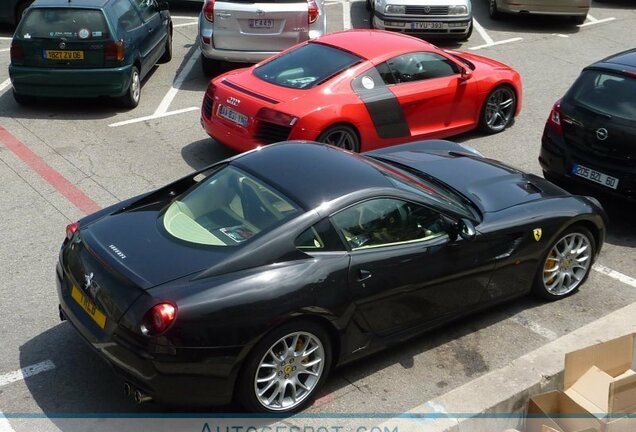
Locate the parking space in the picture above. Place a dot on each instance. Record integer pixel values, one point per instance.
(61, 158)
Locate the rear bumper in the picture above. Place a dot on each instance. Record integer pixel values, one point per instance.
(49, 82)
(556, 159)
(185, 376)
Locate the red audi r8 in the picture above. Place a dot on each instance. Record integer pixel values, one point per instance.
(360, 90)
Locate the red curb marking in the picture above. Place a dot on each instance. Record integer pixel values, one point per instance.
(72, 193)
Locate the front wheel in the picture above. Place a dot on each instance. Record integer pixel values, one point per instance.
(498, 110)
(566, 265)
(286, 368)
(133, 94)
(492, 10)
(342, 136)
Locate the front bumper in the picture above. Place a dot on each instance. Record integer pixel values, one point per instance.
(449, 27)
(556, 159)
(180, 376)
(76, 83)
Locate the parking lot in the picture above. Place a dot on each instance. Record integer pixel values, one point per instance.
(62, 159)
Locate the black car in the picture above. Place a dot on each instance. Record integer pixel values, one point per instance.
(590, 135)
(256, 276)
(11, 10)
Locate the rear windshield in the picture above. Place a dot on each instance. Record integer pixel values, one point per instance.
(605, 92)
(67, 23)
(226, 209)
(306, 66)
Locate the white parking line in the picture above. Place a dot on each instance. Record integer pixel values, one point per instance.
(5, 84)
(152, 117)
(534, 326)
(501, 42)
(6, 38)
(346, 15)
(182, 17)
(5, 426)
(178, 82)
(591, 18)
(26, 372)
(628, 280)
(5, 49)
(186, 24)
(597, 21)
(482, 33)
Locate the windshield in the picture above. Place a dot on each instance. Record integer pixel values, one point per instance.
(605, 92)
(226, 209)
(68, 23)
(306, 66)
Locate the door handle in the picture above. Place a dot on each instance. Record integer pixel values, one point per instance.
(363, 275)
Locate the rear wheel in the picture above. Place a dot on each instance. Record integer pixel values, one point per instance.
(342, 136)
(210, 67)
(566, 265)
(498, 110)
(492, 10)
(286, 368)
(133, 95)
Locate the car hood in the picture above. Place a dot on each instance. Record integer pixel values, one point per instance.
(135, 244)
(490, 184)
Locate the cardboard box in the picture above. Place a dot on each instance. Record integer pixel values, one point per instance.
(602, 378)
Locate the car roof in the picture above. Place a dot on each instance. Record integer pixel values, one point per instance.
(623, 61)
(70, 3)
(370, 44)
(311, 173)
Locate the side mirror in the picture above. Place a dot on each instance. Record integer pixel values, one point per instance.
(465, 74)
(164, 6)
(467, 229)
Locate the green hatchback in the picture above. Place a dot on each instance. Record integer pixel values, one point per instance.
(88, 48)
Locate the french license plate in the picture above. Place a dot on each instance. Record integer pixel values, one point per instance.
(261, 23)
(595, 176)
(232, 115)
(88, 306)
(63, 55)
(428, 26)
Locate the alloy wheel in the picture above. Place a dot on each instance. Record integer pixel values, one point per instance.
(567, 264)
(289, 371)
(135, 86)
(499, 109)
(342, 138)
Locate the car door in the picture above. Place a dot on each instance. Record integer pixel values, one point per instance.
(405, 269)
(431, 91)
(153, 36)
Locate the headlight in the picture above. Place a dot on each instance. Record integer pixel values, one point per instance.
(458, 10)
(395, 9)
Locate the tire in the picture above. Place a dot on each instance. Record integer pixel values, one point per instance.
(342, 136)
(575, 245)
(579, 19)
(211, 68)
(498, 110)
(283, 370)
(23, 99)
(133, 94)
(493, 12)
(167, 54)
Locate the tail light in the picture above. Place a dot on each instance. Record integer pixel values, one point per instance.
(158, 319)
(72, 229)
(208, 10)
(276, 117)
(16, 51)
(114, 51)
(313, 11)
(555, 118)
(211, 90)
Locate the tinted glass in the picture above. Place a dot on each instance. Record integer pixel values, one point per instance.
(320, 237)
(127, 16)
(71, 24)
(226, 209)
(306, 66)
(420, 66)
(606, 93)
(147, 8)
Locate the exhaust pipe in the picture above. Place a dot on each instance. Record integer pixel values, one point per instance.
(128, 390)
(141, 397)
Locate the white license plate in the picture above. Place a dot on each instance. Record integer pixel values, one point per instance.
(595, 176)
(428, 26)
(261, 23)
(232, 115)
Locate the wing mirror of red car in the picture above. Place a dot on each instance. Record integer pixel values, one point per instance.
(465, 74)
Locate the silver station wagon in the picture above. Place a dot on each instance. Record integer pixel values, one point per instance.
(250, 31)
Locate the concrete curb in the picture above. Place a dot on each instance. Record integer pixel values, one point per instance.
(504, 392)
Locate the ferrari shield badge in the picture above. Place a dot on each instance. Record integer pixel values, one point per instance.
(537, 233)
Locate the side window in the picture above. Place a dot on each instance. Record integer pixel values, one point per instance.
(147, 8)
(127, 16)
(386, 74)
(421, 66)
(387, 221)
(320, 237)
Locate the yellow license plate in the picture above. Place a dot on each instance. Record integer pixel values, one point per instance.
(63, 55)
(88, 306)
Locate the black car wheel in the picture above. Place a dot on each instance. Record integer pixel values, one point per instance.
(498, 110)
(286, 368)
(167, 54)
(566, 265)
(492, 10)
(133, 95)
(342, 136)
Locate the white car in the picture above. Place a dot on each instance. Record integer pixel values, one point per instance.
(452, 19)
(248, 32)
